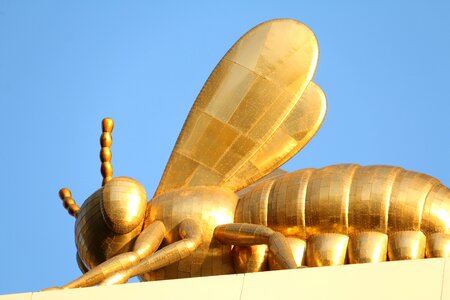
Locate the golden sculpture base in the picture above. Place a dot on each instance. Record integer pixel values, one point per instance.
(413, 279)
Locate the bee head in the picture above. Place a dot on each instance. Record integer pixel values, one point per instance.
(123, 204)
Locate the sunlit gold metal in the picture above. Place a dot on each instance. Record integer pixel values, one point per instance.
(190, 233)
(367, 247)
(68, 202)
(326, 249)
(105, 152)
(258, 258)
(406, 245)
(247, 259)
(298, 248)
(244, 234)
(210, 207)
(438, 245)
(257, 109)
(146, 244)
(116, 211)
(247, 98)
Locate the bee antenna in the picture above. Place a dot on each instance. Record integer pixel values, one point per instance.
(66, 196)
(105, 153)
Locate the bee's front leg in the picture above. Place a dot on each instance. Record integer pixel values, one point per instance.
(146, 244)
(191, 234)
(244, 234)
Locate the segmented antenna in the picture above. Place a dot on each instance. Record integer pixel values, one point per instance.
(68, 202)
(105, 153)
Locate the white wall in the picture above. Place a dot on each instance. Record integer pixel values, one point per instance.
(420, 279)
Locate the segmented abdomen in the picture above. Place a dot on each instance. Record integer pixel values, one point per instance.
(351, 200)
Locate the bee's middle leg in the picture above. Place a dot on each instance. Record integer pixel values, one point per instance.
(244, 234)
(146, 244)
(191, 237)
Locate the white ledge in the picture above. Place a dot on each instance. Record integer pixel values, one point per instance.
(418, 279)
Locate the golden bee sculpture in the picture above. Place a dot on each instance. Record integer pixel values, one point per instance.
(213, 212)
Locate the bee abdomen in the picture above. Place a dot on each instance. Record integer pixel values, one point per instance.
(328, 206)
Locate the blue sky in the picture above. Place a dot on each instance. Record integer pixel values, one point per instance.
(64, 66)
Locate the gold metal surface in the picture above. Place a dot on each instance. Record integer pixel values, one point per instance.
(244, 234)
(146, 244)
(66, 196)
(298, 248)
(436, 211)
(81, 265)
(111, 219)
(258, 258)
(123, 204)
(350, 200)
(105, 226)
(244, 102)
(190, 233)
(278, 203)
(257, 109)
(370, 192)
(438, 245)
(210, 207)
(326, 249)
(406, 245)
(367, 247)
(408, 195)
(105, 152)
(247, 259)
(330, 189)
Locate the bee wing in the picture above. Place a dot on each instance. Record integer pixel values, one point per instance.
(243, 103)
(295, 132)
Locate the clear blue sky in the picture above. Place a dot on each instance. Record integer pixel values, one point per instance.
(65, 65)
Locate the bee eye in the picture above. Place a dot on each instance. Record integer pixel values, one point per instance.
(123, 204)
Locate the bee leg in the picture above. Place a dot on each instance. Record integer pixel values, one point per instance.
(146, 244)
(249, 259)
(243, 234)
(191, 234)
(298, 248)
